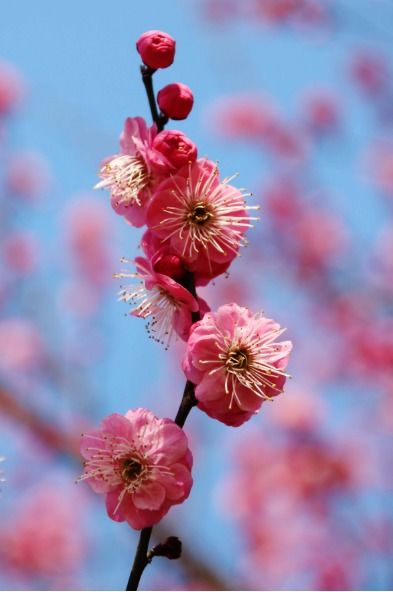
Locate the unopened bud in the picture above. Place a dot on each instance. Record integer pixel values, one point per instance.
(171, 549)
(176, 147)
(170, 265)
(156, 48)
(175, 100)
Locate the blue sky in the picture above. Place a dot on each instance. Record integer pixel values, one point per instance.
(81, 67)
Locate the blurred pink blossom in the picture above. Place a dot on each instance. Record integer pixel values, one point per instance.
(27, 176)
(295, 12)
(242, 116)
(379, 165)
(321, 238)
(88, 229)
(321, 112)
(45, 539)
(21, 345)
(12, 88)
(298, 410)
(253, 118)
(369, 71)
(20, 252)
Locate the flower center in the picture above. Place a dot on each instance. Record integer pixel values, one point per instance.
(132, 468)
(237, 360)
(199, 214)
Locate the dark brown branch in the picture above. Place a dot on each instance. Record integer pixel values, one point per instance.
(147, 76)
(141, 559)
(187, 403)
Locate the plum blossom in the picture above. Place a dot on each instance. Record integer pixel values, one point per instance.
(27, 176)
(88, 235)
(141, 463)
(21, 346)
(369, 71)
(20, 251)
(169, 304)
(12, 88)
(45, 537)
(236, 364)
(129, 174)
(145, 159)
(321, 111)
(379, 165)
(244, 116)
(198, 216)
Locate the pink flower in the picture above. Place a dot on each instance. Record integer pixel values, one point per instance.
(141, 463)
(169, 305)
(131, 174)
(291, 12)
(21, 346)
(202, 219)
(12, 88)
(28, 176)
(157, 49)
(242, 116)
(175, 100)
(233, 359)
(20, 252)
(379, 165)
(45, 536)
(321, 112)
(88, 230)
(176, 147)
(370, 72)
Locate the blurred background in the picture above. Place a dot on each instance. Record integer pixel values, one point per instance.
(296, 96)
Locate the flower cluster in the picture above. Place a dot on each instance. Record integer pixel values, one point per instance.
(195, 225)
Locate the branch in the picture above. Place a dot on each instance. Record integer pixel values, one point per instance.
(68, 443)
(147, 77)
(187, 402)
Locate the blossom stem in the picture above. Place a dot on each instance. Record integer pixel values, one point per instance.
(141, 559)
(186, 404)
(147, 77)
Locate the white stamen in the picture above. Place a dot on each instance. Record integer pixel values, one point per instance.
(245, 358)
(125, 176)
(204, 216)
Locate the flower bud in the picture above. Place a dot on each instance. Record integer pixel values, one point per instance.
(177, 148)
(169, 265)
(156, 48)
(175, 100)
(171, 549)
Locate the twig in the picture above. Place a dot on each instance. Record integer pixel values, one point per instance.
(187, 403)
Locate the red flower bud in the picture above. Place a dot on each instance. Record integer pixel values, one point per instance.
(170, 265)
(157, 49)
(176, 147)
(175, 100)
